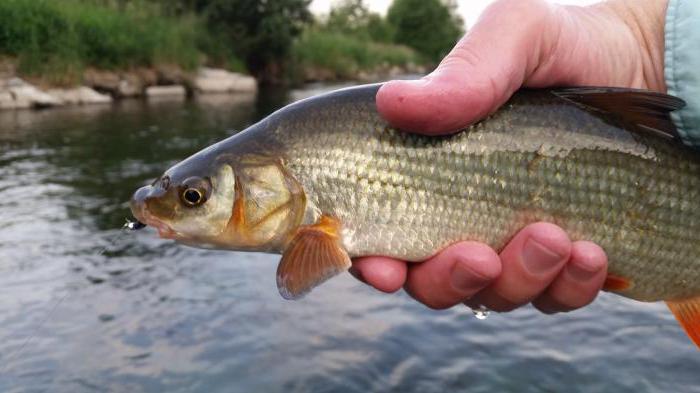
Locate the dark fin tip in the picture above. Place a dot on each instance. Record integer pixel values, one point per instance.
(643, 111)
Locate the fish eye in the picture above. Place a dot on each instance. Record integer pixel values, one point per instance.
(195, 191)
(192, 197)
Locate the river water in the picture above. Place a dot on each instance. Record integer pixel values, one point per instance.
(147, 315)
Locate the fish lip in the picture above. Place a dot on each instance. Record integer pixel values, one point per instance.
(164, 230)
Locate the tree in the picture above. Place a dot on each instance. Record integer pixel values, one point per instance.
(260, 31)
(354, 18)
(431, 27)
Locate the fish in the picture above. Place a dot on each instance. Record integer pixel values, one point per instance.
(327, 179)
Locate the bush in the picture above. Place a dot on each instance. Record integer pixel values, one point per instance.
(60, 38)
(429, 26)
(352, 17)
(343, 56)
(260, 32)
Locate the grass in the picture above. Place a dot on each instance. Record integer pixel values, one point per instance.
(343, 56)
(60, 39)
(54, 41)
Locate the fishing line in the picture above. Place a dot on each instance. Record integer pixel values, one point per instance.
(128, 226)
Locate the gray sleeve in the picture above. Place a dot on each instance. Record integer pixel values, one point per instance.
(682, 65)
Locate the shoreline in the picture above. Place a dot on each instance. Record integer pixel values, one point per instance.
(102, 87)
(107, 87)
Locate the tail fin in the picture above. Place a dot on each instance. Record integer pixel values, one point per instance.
(687, 313)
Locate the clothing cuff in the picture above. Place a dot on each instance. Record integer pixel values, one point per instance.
(682, 65)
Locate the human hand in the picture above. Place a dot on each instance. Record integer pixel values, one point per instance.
(519, 43)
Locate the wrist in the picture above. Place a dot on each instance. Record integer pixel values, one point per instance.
(645, 21)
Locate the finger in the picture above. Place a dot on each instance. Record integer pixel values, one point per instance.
(453, 275)
(480, 74)
(578, 283)
(385, 274)
(531, 261)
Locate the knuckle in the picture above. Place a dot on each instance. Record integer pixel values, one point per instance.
(569, 303)
(547, 308)
(436, 305)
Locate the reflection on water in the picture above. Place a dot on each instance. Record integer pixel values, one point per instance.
(149, 316)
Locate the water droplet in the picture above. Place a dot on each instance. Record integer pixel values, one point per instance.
(481, 312)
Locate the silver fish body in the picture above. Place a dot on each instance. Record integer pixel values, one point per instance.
(540, 157)
(601, 163)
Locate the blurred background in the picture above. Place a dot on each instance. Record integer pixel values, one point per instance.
(280, 41)
(98, 97)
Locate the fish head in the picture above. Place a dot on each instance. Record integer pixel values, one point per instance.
(187, 202)
(250, 203)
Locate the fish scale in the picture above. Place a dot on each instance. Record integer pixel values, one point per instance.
(539, 158)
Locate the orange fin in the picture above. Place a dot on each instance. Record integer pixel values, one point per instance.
(616, 283)
(687, 312)
(313, 256)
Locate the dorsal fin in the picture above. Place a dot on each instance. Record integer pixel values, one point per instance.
(642, 110)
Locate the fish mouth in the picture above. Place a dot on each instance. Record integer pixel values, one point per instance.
(164, 230)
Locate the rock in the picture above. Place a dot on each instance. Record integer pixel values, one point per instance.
(80, 96)
(26, 95)
(395, 71)
(170, 75)
(210, 80)
(7, 68)
(147, 76)
(319, 74)
(166, 91)
(7, 101)
(34, 96)
(130, 86)
(102, 80)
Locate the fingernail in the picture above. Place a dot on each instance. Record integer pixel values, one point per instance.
(464, 279)
(581, 273)
(539, 259)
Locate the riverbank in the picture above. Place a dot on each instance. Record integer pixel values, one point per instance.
(104, 87)
(71, 43)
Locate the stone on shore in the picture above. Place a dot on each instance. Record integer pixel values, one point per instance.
(7, 101)
(210, 80)
(130, 86)
(172, 91)
(80, 96)
(170, 75)
(24, 95)
(101, 80)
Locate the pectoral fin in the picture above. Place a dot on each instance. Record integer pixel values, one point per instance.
(313, 256)
(687, 313)
(616, 283)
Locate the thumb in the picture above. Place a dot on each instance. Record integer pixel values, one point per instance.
(477, 76)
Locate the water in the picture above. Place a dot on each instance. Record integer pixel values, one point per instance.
(481, 313)
(146, 315)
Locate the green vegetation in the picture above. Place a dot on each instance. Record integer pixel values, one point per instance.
(332, 55)
(272, 39)
(431, 27)
(260, 32)
(58, 39)
(350, 40)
